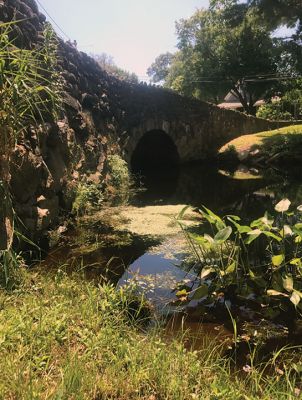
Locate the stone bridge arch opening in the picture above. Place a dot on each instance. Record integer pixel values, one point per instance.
(154, 150)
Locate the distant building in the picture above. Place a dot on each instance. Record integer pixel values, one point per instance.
(231, 102)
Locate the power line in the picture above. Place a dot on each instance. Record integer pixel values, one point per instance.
(50, 17)
(269, 78)
(283, 78)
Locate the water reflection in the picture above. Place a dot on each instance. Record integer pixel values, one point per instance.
(248, 192)
(242, 192)
(195, 185)
(123, 254)
(157, 275)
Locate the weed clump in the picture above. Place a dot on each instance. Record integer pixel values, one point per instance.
(88, 197)
(119, 180)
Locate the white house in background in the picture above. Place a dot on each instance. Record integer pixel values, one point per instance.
(231, 102)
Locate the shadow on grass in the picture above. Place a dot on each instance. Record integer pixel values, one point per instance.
(282, 147)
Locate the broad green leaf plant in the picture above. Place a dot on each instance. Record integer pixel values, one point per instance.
(259, 264)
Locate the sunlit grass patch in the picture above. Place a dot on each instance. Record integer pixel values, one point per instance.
(64, 338)
(247, 143)
(241, 175)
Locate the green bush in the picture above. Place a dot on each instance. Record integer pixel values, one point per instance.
(88, 197)
(274, 112)
(288, 146)
(230, 154)
(30, 92)
(289, 107)
(119, 179)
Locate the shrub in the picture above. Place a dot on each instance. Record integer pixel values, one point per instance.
(289, 107)
(119, 178)
(274, 112)
(88, 197)
(230, 154)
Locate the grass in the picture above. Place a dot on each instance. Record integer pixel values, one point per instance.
(241, 175)
(64, 338)
(246, 143)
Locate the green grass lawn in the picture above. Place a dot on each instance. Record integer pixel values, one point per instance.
(62, 337)
(282, 138)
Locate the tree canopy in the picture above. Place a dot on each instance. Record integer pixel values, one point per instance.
(278, 12)
(228, 47)
(159, 70)
(107, 63)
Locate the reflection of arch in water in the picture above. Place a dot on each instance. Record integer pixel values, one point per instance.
(197, 185)
(155, 149)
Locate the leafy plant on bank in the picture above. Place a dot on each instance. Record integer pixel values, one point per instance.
(29, 88)
(88, 197)
(287, 148)
(259, 264)
(119, 178)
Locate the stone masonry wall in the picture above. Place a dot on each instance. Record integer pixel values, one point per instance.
(49, 160)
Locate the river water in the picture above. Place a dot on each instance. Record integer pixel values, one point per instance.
(141, 241)
(247, 193)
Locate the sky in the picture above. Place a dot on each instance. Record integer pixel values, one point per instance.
(133, 32)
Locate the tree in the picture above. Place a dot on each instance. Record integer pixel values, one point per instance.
(219, 49)
(106, 62)
(230, 47)
(159, 70)
(280, 12)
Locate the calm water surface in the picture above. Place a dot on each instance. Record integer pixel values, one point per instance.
(245, 193)
(156, 263)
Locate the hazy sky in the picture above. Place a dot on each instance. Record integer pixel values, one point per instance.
(134, 32)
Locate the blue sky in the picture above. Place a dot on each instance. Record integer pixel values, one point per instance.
(134, 32)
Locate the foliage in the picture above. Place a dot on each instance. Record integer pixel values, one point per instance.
(228, 47)
(283, 148)
(274, 111)
(29, 89)
(65, 338)
(281, 12)
(10, 270)
(159, 70)
(119, 178)
(29, 93)
(230, 154)
(29, 84)
(88, 197)
(107, 63)
(218, 49)
(287, 107)
(259, 264)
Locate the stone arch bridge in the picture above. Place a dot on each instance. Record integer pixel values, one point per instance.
(102, 115)
(101, 109)
(163, 123)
